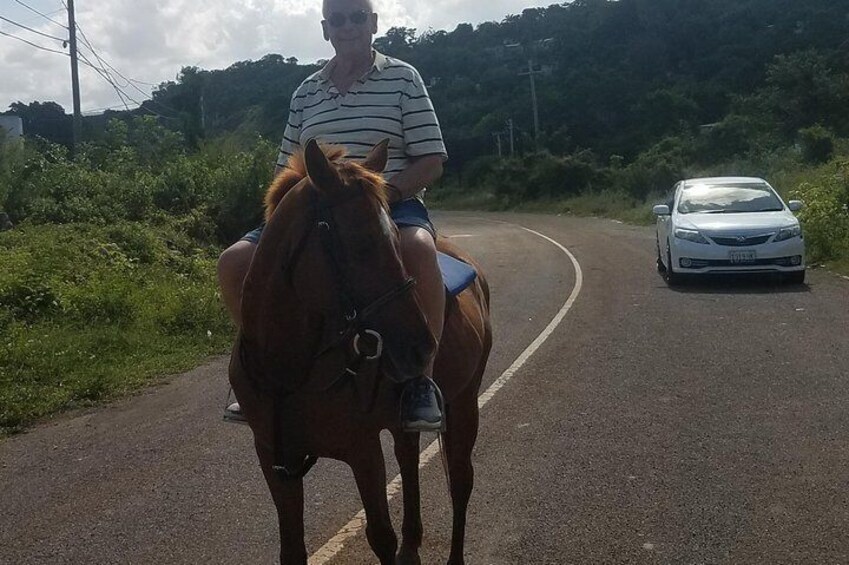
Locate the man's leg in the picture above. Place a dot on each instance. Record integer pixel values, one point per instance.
(420, 409)
(233, 267)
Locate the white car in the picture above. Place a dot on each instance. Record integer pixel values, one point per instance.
(728, 225)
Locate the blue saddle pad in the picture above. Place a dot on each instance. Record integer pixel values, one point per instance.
(456, 275)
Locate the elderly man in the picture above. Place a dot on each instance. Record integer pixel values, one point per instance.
(358, 99)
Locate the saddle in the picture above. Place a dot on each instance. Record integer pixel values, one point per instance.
(456, 275)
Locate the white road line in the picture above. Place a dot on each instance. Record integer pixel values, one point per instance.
(358, 522)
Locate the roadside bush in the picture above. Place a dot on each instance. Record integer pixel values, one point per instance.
(137, 244)
(239, 184)
(537, 175)
(654, 171)
(732, 138)
(104, 301)
(12, 160)
(817, 144)
(29, 298)
(825, 216)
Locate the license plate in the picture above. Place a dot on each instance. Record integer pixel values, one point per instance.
(742, 257)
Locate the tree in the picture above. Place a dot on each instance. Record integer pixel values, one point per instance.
(397, 42)
(45, 119)
(803, 89)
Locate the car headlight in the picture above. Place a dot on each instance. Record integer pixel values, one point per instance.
(788, 232)
(690, 235)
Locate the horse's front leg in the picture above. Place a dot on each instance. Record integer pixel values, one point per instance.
(288, 498)
(370, 473)
(407, 454)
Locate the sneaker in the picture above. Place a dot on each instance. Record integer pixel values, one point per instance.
(421, 409)
(233, 413)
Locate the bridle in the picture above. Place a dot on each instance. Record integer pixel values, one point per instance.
(356, 316)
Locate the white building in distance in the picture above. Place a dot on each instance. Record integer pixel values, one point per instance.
(12, 126)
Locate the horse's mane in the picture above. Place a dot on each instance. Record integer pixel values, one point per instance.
(296, 170)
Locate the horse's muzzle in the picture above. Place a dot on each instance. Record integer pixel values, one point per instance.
(408, 359)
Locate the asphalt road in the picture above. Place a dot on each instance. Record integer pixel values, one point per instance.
(702, 424)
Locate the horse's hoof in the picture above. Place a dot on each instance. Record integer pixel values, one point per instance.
(408, 557)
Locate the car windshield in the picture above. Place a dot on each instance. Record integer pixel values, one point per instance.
(728, 199)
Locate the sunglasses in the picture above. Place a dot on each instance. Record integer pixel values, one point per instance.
(338, 19)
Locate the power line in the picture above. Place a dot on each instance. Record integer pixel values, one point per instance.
(32, 30)
(94, 111)
(33, 44)
(122, 94)
(105, 64)
(130, 82)
(107, 78)
(45, 16)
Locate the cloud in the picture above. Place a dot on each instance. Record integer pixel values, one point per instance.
(151, 40)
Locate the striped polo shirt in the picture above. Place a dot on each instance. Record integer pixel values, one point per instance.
(389, 101)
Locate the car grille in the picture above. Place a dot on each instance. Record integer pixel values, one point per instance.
(777, 261)
(741, 240)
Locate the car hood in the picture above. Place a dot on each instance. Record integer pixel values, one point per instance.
(751, 221)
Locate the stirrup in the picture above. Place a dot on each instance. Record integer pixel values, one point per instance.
(233, 414)
(428, 426)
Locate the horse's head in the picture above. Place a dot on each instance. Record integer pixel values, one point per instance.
(345, 258)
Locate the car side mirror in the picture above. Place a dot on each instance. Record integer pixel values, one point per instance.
(795, 205)
(660, 210)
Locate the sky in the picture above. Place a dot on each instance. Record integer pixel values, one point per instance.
(149, 41)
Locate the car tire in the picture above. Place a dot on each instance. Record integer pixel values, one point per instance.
(796, 277)
(671, 278)
(661, 268)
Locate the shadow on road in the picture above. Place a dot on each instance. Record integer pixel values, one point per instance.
(738, 284)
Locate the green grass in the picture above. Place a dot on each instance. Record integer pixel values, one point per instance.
(840, 266)
(90, 313)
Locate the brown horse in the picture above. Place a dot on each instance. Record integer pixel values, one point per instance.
(330, 327)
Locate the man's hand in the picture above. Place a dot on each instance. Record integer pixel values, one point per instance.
(421, 172)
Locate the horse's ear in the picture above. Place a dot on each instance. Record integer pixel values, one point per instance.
(377, 157)
(322, 174)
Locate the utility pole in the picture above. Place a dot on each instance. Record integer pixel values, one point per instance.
(510, 129)
(530, 73)
(75, 78)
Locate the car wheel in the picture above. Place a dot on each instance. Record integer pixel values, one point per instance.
(796, 277)
(669, 275)
(661, 268)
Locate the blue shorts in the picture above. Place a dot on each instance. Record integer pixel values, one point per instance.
(405, 214)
